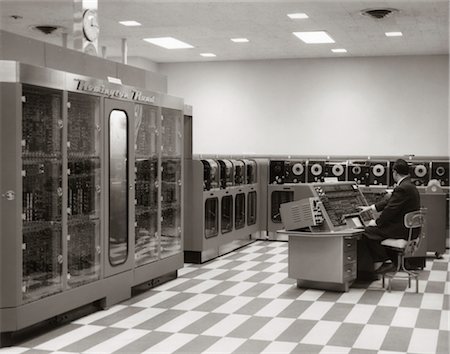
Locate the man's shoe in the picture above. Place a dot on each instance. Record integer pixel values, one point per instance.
(385, 268)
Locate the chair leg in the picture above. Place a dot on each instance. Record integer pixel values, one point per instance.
(382, 281)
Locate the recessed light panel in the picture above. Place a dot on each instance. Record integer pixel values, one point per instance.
(168, 43)
(394, 34)
(314, 37)
(130, 23)
(298, 16)
(239, 40)
(208, 55)
(339, 50)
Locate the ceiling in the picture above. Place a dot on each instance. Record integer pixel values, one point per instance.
(209, 25)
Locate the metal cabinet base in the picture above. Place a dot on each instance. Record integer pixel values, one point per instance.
(200, 256)
(323, 260)
(21, 321)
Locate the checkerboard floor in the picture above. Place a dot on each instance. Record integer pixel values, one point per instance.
(243, 302)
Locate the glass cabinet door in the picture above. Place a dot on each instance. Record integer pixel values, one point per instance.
(239, 219)
(84, 187)
(171, 157)
(211, 217)
(41, 192)
(251, 208)
(146, 168)
(118, 187)
(227, 214)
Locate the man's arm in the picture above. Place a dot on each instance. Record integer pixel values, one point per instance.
(392, 207)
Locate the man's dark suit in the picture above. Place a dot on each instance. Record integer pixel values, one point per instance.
(404, 199)
(390, 224)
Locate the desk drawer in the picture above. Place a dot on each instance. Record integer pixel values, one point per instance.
(349, 244)
(349, 271)
(349, 257)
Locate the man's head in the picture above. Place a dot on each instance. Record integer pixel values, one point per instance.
(400, 169)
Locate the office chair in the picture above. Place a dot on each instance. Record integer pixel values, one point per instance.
(406, 248)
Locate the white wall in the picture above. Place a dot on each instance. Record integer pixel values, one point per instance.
(338, 106)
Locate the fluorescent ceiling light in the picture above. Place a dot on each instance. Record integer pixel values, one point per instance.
(298, 16)
(314, 37)
(130, 23)
(168, 43)
(114, 80)
(239, 40)
(208, 55)
(339, 50)
(394, 34)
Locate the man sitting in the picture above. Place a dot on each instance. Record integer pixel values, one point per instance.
(390, 224)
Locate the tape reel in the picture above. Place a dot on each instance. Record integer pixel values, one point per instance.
(316, 169)
(420, 171)
(338, 170)
(378, 170)
(440, 171)
(356, 170)
(298, 169)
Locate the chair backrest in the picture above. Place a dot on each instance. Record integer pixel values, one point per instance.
(413, 220)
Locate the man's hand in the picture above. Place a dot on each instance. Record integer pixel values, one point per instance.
(372, 223)
(364, 208)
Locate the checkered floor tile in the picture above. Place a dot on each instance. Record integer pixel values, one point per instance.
(243, 302)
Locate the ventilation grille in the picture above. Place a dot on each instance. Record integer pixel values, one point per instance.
(379, 13)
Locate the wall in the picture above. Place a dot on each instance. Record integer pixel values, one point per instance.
(337, 106)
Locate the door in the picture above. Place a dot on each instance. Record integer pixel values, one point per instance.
(118, 243)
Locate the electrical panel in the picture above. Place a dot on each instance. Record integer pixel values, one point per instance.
(171, 161)
(278, 170)
(146, 184)
(339, 200)
(41, 192)
(374, 195)
(84, 187)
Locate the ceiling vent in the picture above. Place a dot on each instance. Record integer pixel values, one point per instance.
(46, 29)
(378, 13)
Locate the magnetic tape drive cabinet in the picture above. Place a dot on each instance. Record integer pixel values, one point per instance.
(223, 196)
(91, 192)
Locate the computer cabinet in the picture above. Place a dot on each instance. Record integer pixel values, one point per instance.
(223, 207)
(91, 192)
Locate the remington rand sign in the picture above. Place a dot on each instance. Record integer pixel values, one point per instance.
(126, 93)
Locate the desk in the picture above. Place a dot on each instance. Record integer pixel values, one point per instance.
(325, 260)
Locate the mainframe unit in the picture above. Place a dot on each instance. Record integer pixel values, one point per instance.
(91, 192)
